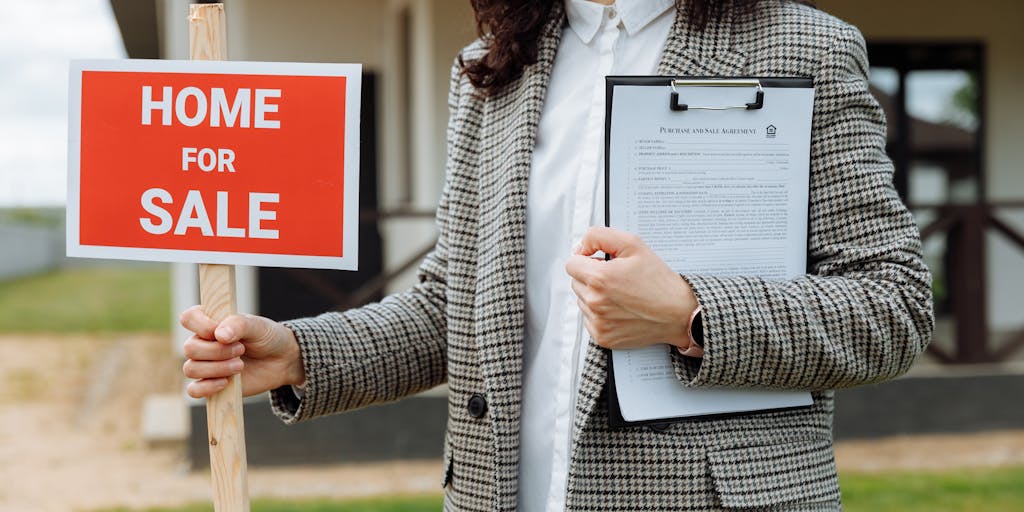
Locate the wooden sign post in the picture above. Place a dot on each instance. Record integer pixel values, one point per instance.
(207, 40)
(224, 420)
(218, 163)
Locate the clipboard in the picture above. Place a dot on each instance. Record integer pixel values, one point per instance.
(674, 91)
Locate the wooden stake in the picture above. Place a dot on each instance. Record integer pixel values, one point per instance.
(207, 35)
(207, 32)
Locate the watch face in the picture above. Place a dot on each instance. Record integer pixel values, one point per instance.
(697, 329)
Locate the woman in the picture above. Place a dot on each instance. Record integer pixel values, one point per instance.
(496, 317)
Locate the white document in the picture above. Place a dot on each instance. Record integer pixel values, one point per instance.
(713, 192)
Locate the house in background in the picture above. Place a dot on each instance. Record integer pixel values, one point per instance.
(947, 72)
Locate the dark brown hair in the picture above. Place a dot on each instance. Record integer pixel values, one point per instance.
(512, 29)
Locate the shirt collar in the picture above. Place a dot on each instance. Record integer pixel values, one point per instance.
(586, 16)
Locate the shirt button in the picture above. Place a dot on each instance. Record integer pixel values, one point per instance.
(477, 406)
(611, 13)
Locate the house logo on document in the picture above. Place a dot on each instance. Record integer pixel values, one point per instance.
(769, 132)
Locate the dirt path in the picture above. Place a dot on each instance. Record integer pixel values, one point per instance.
(69, 436)
(933, 452)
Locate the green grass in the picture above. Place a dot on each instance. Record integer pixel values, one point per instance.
(970, 490)
(44, 217)
(88, 300)
(994, 490)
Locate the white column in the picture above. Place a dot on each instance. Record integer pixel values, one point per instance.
(184, 294)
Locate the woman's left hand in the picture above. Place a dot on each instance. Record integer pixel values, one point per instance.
(634, 299)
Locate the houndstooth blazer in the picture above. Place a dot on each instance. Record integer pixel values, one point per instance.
(861, 314)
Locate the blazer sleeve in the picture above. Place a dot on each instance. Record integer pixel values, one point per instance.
(864, 311)
(380, 352)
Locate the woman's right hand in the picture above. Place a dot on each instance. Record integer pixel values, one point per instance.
(265, 352)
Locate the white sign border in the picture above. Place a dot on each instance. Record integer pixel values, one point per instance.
(350, 183)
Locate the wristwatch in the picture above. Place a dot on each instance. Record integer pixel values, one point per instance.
(695, 331)
(696, 327)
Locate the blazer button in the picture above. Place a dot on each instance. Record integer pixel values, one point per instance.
(477, 406)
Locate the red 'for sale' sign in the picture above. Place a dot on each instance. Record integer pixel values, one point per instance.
(215, 162)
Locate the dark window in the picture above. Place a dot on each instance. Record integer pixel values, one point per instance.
(931, 95)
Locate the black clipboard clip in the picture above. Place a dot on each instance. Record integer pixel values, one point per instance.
(675, 105)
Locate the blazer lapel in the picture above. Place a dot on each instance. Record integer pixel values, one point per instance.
(509, 133)
(707, 53)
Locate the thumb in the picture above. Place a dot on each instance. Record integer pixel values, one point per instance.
(611, 241)
(236, 328)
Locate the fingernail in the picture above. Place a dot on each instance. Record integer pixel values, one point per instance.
(237, 350)
(235, 366)
(224, 333)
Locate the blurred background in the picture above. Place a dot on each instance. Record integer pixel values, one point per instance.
(92, 410)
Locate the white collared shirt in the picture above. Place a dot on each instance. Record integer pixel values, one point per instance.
(566, 197)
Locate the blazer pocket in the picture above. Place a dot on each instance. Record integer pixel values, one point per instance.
(766, 475)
